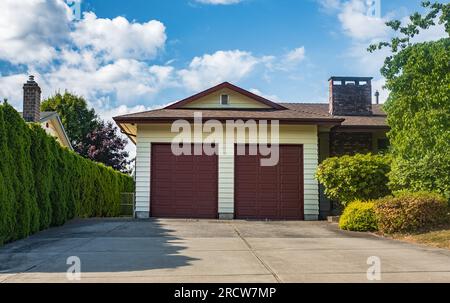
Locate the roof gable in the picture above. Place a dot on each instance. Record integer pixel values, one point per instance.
(240, 98)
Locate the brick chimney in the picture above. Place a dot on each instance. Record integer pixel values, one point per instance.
(31, 101)
(350, 96)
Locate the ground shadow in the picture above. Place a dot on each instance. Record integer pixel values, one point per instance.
(102, 245)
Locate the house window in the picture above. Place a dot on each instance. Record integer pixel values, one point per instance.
(224, 99)
(383, 144)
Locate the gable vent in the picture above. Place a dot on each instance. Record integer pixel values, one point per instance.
(224, 99)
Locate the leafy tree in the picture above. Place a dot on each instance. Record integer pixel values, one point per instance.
(77, 118)
(103, 145)
(418, 107)
(90, 137)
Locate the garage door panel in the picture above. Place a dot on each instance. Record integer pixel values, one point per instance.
(183, 186)
(270, 192)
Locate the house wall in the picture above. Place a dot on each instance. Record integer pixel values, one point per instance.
(53, 130)
(350, 143)
(324, 152)
(289, 134)
(236, 100)
(341, 143)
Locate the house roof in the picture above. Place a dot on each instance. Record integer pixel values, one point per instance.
(286, 113)
(307, 113)
(47, 116)
(377, 119)
(223, 85)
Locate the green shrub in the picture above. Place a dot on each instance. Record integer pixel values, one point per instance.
(359, 216)
(43, 184)
(410, 212)
(358, 177)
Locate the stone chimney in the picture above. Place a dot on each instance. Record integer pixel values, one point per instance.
(350, 96)
(31, 101)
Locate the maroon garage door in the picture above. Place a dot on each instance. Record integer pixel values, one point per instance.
(182, 186)
(274, 193)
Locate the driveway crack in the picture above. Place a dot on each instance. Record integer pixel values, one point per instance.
(266, 266)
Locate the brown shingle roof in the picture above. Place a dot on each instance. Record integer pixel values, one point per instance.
(378, 119)
(316, 113)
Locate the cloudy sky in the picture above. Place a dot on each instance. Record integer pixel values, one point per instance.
(127, 56)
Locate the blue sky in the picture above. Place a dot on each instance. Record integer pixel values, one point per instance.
(127, 56)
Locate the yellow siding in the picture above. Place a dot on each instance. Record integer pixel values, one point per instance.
(236, 101)
(51, 129)
(289, 134)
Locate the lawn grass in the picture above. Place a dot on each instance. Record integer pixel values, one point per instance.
(436, 238)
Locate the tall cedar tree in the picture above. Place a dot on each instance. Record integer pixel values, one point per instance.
(43, 184)
(418, 107)
(91, 137)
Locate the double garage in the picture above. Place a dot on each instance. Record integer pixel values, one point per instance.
(186, 186)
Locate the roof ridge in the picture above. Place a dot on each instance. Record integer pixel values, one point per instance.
(230, 86)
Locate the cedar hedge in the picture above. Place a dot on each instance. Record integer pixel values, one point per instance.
(43, 184)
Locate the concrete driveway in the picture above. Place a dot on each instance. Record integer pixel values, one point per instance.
(162, 250)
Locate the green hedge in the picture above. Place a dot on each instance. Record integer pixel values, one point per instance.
(359, 216)
(358, 177)
(43, 184)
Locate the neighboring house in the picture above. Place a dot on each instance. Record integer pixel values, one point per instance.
(49, 121)
(235, 186)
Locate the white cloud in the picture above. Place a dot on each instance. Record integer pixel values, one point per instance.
(211, 69)
(124, 81)
(219, 2)
(118, 38)
(287, 62)
(108, 61)
(371, 63)
(101, 59)
(256, 91)
(291, 59)
(109, 113)
(11, 89)
(295, 56)
(30, 30)
(358, 24)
